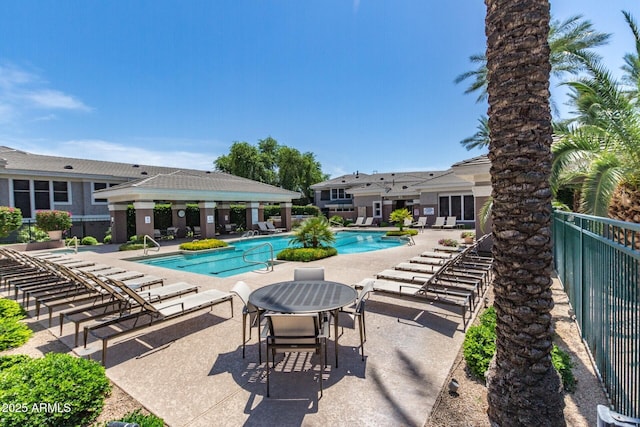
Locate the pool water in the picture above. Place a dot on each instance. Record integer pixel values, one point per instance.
(231, 261)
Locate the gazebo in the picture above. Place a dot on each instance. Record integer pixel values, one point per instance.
(210, 190)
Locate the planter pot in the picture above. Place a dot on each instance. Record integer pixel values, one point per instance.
(468, 240)
(55, 234)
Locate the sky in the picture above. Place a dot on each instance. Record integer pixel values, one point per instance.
(365, 85)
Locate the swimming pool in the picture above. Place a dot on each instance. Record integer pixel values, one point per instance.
(231, 261)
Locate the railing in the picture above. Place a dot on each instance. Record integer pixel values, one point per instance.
(146, 248)
(598, 263)
(74, 241)
(268, 264)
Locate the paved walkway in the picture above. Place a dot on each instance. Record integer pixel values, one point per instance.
(191, 372)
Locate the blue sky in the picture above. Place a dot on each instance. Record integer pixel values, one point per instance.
(365, 85)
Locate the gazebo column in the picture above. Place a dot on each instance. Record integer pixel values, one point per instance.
(254, 214)
(118, 214)
(387, 208)
(144, 218)
(178, 221)
(285, 214)
(207, 219)
(224, 215)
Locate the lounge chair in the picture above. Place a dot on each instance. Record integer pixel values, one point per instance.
(295, 333)
(367, 222)
(152, 314)
(439, 222)
(421, 223)
(451, 222)
(273, 228)
(407, 222)
(358, 223)
(264, 229)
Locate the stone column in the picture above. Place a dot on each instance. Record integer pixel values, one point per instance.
(179, 218)
(224, 215)
(207, 219)
(252, 214)
(387, 207)
(144, 218)
(118, 215)
(285, 214)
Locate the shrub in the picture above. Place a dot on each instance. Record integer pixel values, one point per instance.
(53, 220)
(562, 362)
(410, 232)
(466, 234)
(129, 246)
(198, 245)
(141, 419)
(31, 234)
(448, 242)
(13, 333)
(107, 239)
(336, 220)
(10, 220)
(306, 254)
(480, 345)
(8, 361)
(89, 241)
(55, 390)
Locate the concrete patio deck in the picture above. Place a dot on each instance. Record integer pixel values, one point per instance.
(191, 372)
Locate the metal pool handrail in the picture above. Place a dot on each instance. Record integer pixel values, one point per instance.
(73, 240)
(146, 248)
(268, 264)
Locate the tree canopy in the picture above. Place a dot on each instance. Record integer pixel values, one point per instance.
(275, 164)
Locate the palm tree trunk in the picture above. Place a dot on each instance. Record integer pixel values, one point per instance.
(523, 387)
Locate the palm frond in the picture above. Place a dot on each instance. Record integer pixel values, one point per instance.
(603, 178)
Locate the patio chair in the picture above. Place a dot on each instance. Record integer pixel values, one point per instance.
(358, 223)
(358, 309)
(152, 314)
(242, 291)
(420, 223)
(367, 222)
(272, 228)
(439, 222)
(264, 229)
(451, 222)
(308, 273)
(301, 333)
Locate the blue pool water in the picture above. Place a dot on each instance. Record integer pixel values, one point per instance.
(229, 261)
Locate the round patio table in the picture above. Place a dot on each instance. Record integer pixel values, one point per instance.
(307, 296)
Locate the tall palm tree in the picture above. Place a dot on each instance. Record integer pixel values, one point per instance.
(523, 387)
(598, 154)
(570, 42)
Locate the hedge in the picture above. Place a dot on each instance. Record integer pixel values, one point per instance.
(306, 254)
(198, 245)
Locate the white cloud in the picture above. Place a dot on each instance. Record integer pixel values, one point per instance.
(23, 93)
(53, 99)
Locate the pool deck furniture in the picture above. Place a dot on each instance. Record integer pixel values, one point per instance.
(307, 296)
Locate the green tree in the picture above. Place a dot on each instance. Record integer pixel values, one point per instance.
(274, 164)
(313, 233)
(523, 387)
(597, 154)
(570, 43)
(398, 216)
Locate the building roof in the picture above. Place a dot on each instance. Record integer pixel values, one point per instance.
(24, 163)
(144, 182)
(187, 186)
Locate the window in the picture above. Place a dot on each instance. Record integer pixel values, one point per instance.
(41, 195)
(100, 186)
(22, 196)
(377, 209)
(339, 193)
(60, 191)
(462, 207)
(325, 195)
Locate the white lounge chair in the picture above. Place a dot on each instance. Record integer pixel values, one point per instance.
(358, 223)
(420, 223)
(367, 222)
(439, 222)
(451, 222)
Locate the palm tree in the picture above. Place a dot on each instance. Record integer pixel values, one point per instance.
(598, 153)
(523, 387)
(481, 138)
(313, 232)
(570, 42)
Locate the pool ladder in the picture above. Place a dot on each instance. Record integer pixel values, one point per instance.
(268, 264)
(146, 246)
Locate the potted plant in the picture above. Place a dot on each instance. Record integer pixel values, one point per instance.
(448, 242)
(54, 222)
(468, 236)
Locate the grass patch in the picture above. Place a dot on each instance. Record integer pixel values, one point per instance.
(409, 232)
